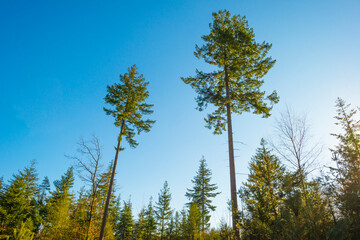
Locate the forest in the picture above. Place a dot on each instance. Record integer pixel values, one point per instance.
(278, 202)
(287, 195)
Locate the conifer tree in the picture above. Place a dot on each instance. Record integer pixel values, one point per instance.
(347, 171)
(235, 86)
(175, 226)
(163, 210)
(194, 221)
(128, 107)
(41, 202)
(202, 193)
(150, 222)
(126, 222)
(139, 227)
(184, 223)
(58, 222)
(18, 203)
(24, 232)
(262, 194)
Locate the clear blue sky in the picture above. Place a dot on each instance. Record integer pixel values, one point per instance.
(58, 56)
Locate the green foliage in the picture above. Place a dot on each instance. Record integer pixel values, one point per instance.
(194, 221)
(17, 202)
(347, 171)
(150, 222)
(276, 207)
(58, 222)
(174, 229)
(128, 106)
(139, 227)
(202, 193)
(24, 232)
(225, 231)
(126, 223)
(241, 62)
(163, 209)
(262, 194)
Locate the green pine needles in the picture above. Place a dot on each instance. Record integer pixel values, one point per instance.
(241, 62)
(234, 87)
(202, 193)
(128, 106)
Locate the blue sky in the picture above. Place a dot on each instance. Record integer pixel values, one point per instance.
(58, 57)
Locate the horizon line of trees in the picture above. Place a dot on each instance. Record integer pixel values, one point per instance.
(279, 200)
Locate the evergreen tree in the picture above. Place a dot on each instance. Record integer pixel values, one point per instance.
(224, 230)
(139, 228)
(235, 86)
(194, 221)
(262, 194)
(184, 224)
(176, 233)
(18, 203)
(24, 232)
(128, 106)
(202, 193)
(150, 222)
(347, 172)
(58, 223)
(126, 222)
(41, 203)
(163, 210)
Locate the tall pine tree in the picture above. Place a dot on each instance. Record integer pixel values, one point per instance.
(235, 86)
(128, 107)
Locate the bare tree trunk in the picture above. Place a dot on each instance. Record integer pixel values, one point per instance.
(234, 205)
(102, 232)
(91, 215)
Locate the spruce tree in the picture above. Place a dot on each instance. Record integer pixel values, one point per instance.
(139, 227)
(58, 222)
(128, 107)
(174, 229)
(202, 193)
(262, 194)
(347, 171)
(194, 221)
(163, 209)
(126, 222)
(235, 86)
(150, 222)
(18, 202)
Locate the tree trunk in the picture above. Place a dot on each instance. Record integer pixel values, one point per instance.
(234, 205)
(102, 232)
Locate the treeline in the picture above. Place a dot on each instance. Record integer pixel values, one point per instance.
(283, 203)
(279, 199)
(29, 210)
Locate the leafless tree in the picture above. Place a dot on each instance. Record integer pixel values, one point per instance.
(294, 143)
(88, 164)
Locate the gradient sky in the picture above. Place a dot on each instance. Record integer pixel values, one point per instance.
(57, 57)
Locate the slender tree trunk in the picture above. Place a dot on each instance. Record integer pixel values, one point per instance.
(234, 205)
(91, 215)
(102, 232)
